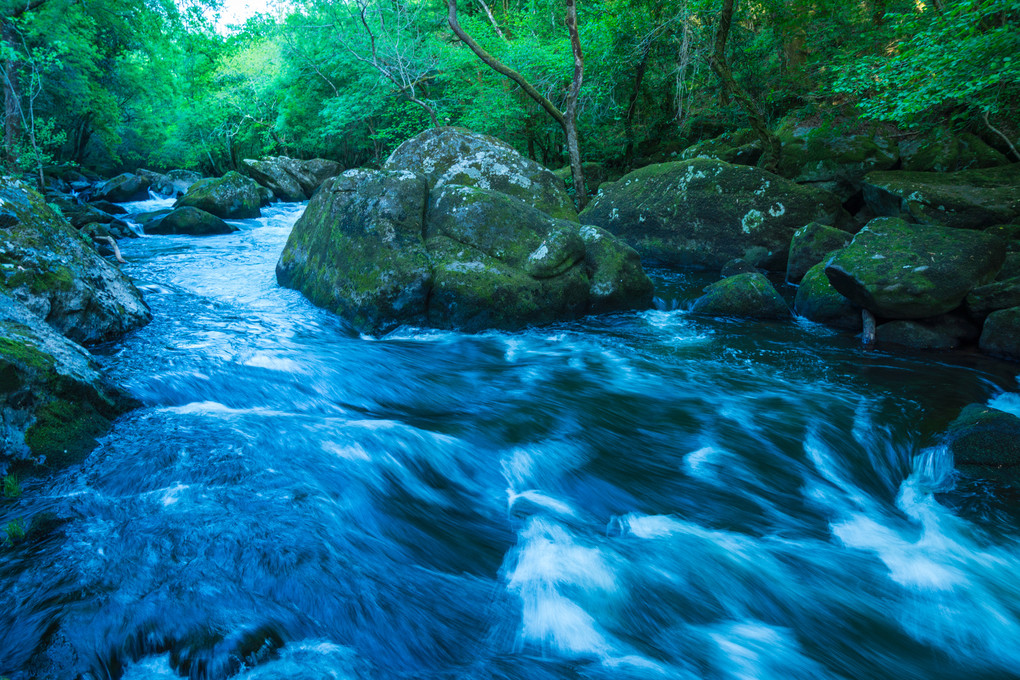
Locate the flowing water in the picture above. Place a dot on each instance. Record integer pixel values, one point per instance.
(643, 495)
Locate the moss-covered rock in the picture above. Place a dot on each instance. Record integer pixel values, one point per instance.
(1010, 233)
(231, 197)
(375, 247)
(984, 437)
(703, 213)
(54, 403)
(942, 150)
(942, 332)
(189, 221)
(992, 297)
(1000, 334)
(744, 295)
(358, 249)
(740, 146)
(818, 301)
(54, 271)
(177, 182)
(1010, 267)
(124, 187)
(970, 199)
(618, 281)
(811, 244)
(911, 271)
(832, 159)
(449, 155)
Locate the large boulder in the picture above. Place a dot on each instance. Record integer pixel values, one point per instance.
(49, 267)
(191, 222)
(449, 155)
(811, 244)
(231, 197)
(124, 187)
(1000, 334)
(358, 250)
(53, 401)
(985, 437)
(744, 295)
(970, 199)
(818, 301)
(703, 213)
(273, 174)
(912, 271)
(380, 249)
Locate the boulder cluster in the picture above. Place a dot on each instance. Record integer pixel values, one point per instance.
(457, 230)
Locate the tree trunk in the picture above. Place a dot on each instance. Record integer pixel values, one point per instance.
(771, 146)
(570, 115)
(628, 120)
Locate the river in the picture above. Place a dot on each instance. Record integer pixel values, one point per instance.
(640, 495)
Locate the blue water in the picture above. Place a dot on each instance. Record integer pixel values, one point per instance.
(643, 495)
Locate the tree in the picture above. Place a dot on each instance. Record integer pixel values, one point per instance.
(771, 146)
(567, 119)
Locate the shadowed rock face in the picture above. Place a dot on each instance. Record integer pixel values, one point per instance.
(384, 248)
(704, 213)
(50, 268)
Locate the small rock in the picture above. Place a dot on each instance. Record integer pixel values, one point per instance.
(810, 245)
(744, 295)
(984, 436)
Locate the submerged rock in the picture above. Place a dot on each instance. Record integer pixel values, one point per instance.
(985, 437)
(970, 199)
(49, 267)
(231, 197)
(703, 213)
(745, 295)
(449, 155)
(54, 403)
(189, 221)
(380, 249)
(911, 271)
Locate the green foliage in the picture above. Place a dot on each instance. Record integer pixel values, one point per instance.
(960, 61)
(13, 532)
(11, 487)
(119, 84)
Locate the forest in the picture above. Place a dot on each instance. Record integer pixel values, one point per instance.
(115, 85)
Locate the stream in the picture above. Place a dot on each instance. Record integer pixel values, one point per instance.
(638, 495)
